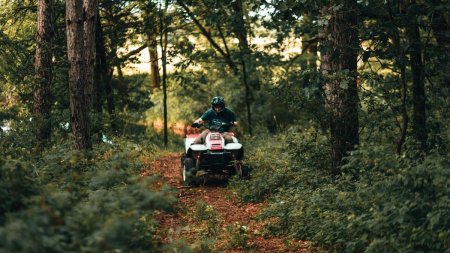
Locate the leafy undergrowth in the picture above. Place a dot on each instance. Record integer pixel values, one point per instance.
(66, 201)
(210, 218)
(382, 202)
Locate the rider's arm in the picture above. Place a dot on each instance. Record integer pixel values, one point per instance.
(199, 121)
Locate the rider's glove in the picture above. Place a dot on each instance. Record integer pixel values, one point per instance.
(195, 124)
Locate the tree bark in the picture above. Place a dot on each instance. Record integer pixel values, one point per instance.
(163, 43)
(419, 112)
(154, 66)
(339, 58)
(90, 20)
(441, 28)
(247, 99)
(403, 109)
(103, 88)
(240, 29)
(43, 70)
(75, 53)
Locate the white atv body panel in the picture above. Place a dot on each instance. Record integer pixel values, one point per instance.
(233, 146)
(188, 144)
(198, 147)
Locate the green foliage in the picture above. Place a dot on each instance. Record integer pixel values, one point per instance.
(238, 235)
(382, 202)
(206, 214)
(282, 164)
(65, 201)
(16, 185)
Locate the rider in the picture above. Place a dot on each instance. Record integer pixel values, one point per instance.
(216, 115)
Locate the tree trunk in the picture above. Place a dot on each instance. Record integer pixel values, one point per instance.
(403, 109)
(247, 99)
(163, 43)
(419, 112)
(339, 57)
(249, 74)
(240, 29)
(90, 20)
(441, 28)
(154, 66)
(43, 70)
(101, 70)
(75, 53)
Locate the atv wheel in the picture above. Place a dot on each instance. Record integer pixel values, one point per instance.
(242, 170)
(188, 172)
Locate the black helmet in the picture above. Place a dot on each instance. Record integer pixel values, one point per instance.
(217, 102)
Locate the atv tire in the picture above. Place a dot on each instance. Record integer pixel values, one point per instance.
(188, 172)
(242, 170)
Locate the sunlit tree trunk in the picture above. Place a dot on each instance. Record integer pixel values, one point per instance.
(339, 58)
(43, 70)
(75, 53)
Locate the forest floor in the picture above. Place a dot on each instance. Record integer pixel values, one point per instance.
(211, 216)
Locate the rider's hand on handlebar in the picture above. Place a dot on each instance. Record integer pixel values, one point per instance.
(195, 124)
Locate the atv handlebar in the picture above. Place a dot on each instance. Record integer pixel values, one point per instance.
(198, 125)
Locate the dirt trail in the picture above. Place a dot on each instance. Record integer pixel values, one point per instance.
(212, 215)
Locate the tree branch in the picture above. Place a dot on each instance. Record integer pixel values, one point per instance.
(208, 36)
(132, 53)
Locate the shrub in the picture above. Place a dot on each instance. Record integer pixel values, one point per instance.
(382, 202)
(66, 201)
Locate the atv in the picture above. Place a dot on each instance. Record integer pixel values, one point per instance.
(213, 157)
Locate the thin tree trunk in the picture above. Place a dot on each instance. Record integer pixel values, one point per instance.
(419, 112)
(404, 112)
(103, 73)
(122, 87)
(339, 59)
(249, 74)
(441, 30)
(75, 53)
(403, 90)
(154, 66)
(43, 70)
(163, 44)
(101, 69)
(247, 99)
